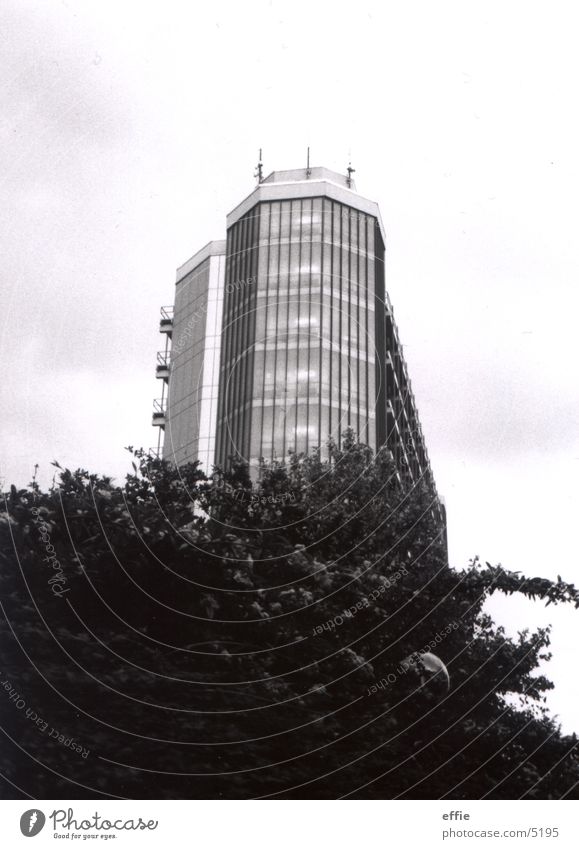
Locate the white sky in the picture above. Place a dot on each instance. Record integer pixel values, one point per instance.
(129, 130)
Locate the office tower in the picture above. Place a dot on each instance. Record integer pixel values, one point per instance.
(284, 335)
(190, 362)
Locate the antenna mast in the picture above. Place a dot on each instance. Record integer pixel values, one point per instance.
(308, 169)
(350, 171)
(259, 170)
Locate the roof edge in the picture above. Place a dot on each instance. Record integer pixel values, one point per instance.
(306, 188)
(216, 247)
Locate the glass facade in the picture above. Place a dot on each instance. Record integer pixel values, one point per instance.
(298, 352)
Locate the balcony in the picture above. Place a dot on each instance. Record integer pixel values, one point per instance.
(162, 368)
(159, 412)
(166, 322)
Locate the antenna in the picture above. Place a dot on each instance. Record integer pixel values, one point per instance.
(350, 171)
(259, 170)
(308, 169)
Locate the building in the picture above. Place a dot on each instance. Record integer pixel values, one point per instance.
(189, 365)
(283, 334)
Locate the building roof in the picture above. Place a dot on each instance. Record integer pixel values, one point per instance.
(215, 248)
(301, 174)
(322, 182)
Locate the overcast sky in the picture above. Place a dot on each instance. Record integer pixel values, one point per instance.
(130, 129)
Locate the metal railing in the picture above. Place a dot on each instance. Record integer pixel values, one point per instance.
(166, 322)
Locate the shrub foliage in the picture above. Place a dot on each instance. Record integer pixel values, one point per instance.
(214, 638)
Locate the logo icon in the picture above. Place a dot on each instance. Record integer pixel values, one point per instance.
(32, 822)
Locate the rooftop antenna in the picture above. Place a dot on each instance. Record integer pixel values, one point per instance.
(308, 169)
(350, 171)
(259, 170)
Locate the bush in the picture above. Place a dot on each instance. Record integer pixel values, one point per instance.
(223, 639)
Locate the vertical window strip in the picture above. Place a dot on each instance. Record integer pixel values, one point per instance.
(269, 343)
(251, 304)
(320, 437)
(285, 212)
(239, 348)
(332, 316)
(230, 401)
(360, 394)
(281, 328)
(340, 269)
(245, 291)
(238, 320)
(350, 298)
(367, 331)
(298, 210)
(265, 284)
(309, 253)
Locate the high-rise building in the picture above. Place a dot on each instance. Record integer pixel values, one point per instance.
(283, 335)
(190, 362)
